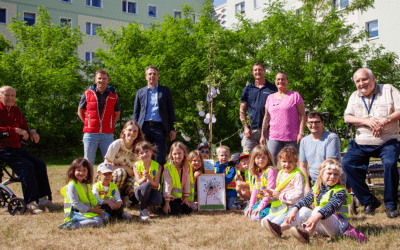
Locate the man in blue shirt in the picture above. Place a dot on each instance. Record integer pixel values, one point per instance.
(155, 113)
(316, 148)
(253, 98)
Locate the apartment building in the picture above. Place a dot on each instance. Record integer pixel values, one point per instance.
(91, 15)
(221, 15)
(382, 21)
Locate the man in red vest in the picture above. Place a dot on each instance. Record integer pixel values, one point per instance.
(99, 110)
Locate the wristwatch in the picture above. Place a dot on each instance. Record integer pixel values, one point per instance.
(388, 119)
(302, 133)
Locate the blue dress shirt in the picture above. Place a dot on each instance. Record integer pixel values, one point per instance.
(152, 113)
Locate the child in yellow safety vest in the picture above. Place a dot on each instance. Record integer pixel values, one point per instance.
(107, 193)
(330, 215)
(243, 177)
(289, 189)
(147, 174)
(263, 175)
(80, 205)
(177, 184)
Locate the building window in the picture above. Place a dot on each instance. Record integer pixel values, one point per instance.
(257, 4)
(177, 14)
(129, 7)
(29, 18)
(152, 11)
(93, 3)
(372, 28)
(65, 22)
(66, 1)
(239, 8)
(91, 28)
(340, 4)
(90, 57)
(3, 15)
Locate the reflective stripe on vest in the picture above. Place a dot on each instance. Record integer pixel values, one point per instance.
(277, 206)
(327, 196)
(141, 169)
(176, 190)
(90, 201)
(232, 184)
(264, 183)
(112, 190)
(191, 195)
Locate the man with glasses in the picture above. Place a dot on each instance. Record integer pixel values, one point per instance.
(317, 147)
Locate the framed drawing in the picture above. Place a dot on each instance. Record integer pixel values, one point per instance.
(211, 192)
(209, 166)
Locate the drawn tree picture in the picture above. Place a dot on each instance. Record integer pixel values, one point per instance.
(211, 189)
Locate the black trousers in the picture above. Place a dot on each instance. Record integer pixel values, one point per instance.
(114, 213)
(31, 171)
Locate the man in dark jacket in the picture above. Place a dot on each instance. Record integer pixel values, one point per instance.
(155, 113)
(99, 110)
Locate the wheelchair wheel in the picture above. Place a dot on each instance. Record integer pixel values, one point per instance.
(4, 197)
(16, 205)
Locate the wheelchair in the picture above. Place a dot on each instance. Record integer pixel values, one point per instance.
(8, 199)
(14, 204)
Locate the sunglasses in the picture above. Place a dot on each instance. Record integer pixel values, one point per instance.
(204, 151)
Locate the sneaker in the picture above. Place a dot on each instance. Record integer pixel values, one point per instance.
(273, 228)
(43, 203)
(125, 215)
(352, 232)
(392, 213)
(33, 208)
(67, 224)
(370, 208)
(144, 215)
(301, 235)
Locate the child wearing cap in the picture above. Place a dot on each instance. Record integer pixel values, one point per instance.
(243, 176)
(107, 193)
(204, 148)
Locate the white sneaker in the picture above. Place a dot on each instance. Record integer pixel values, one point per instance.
(144, 215)
(33, 208)
(125, 215)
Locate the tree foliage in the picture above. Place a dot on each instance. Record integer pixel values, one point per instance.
(44, 69)
(316, 48)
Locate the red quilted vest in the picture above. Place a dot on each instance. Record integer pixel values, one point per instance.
(94, 123)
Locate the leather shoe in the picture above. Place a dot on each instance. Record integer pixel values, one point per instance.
(370, 208)
(392, 213)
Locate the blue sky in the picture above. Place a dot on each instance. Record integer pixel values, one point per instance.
(219, 2)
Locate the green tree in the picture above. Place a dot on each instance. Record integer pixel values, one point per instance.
(44, 68)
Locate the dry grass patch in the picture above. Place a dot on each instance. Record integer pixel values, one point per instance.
(201, 230)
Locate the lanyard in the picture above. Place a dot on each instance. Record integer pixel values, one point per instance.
(370, 106)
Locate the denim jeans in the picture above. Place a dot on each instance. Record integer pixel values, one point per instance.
(262, 213)
(157, 135)
(355, 165)
(276, 146)
(232, 203)
(92, 141)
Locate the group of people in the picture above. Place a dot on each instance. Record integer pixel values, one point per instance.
(135, 169)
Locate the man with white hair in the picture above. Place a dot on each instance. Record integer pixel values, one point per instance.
(374, 109)
(31, 171)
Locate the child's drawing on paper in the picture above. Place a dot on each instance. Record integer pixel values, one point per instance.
(211, 192)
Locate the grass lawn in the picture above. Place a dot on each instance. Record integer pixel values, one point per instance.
(201, 230)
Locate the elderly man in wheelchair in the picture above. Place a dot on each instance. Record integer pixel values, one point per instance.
(31, 171)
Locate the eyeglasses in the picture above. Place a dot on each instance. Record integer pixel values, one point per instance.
(315, 123)
(204, 151)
